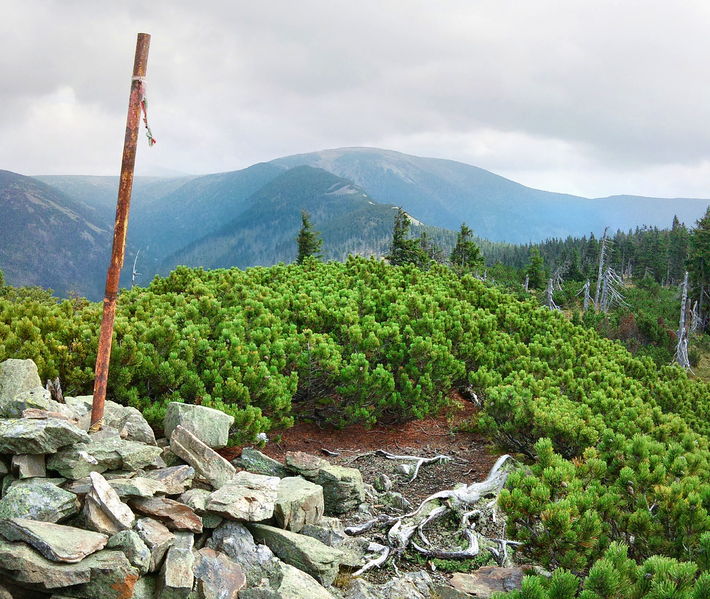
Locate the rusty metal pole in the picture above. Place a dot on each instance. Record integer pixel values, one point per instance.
(119, 231)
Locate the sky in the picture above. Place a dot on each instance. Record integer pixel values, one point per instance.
(586, 97)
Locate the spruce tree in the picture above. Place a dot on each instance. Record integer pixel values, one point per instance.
(466, 255)
(699, 260)
(536, 270)
(402, 249)
(309, 244)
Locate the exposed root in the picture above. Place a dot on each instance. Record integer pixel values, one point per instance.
(403, 528)
(420, 461)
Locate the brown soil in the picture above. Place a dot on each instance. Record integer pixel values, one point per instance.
(472, 454)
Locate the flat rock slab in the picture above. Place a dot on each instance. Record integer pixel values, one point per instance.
(133, 547)
(343, 488)
(208, 464)
(105, 574)
(197, 499)
(17, 376)
(25, 435)
(299, 502)
(175, 515)
(488, 580)
(218, 576)
(117, 515)
(38, 500)
(157, 538)
(137, 486)
(248, 496)
(296, 584)
(29, 465)
(129, 422)
(305, 553)
(37, 398)
(175, 479)
(54, 541)
(102, 453)
(255, 461)
(208, 425)
(176, 576)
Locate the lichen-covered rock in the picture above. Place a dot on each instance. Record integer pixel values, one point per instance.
(218, 576)
(303, 552)
(233, 539)
(248, 497)
(105, 574)
(128, 421)
(38, 500)
(103, 509)
(208, 464)
(343, 488)
(157, 538)
(17, 376)
(133, 547)
(29, 465)
(255, 461)
(54, 541)
(103, 452)
(36, 398)
(176, 577)
(488, 580)
(208, 425)
(412, 585)
(25, 435)
(175, 515)
(175, 479)
(197, 499)
(299, 502)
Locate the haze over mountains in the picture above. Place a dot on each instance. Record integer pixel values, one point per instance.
(55, 230)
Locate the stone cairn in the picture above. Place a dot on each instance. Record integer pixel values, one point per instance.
(117, 514)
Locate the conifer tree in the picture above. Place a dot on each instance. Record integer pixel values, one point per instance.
(677, 251)
(536, 270)
(402, 249)
(309, 244)
(466, 255)
(699, 260)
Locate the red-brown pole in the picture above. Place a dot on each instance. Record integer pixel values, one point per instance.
(119, 231)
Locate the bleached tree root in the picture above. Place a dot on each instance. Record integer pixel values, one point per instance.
(402, 529)
(420, 461)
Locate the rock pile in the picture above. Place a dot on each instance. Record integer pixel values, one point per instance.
(116, 514)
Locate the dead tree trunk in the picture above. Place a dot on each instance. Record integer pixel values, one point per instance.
(600, 274)
(681, 350)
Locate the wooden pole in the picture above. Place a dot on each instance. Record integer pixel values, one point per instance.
(123, 205)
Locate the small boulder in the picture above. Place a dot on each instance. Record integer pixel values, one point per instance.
(299, 502)
(234, 540)
(157, 538)
(248, 496)
(128, 421)
(175, 479)
(29, 465)
(255, 461)
(208, 425)
(54, 541)
(218, 576)
(175, 515)
(208, 464)
(103, 509)
(17, 376)
(37, 398)
(133, 547)
(303, 552)
(38, 500)
(488, 580)
(197, 499)
(25, 435)
(176, 577)
(382, 483)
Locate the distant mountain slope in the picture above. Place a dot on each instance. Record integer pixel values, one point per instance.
(348, 220)
(445, 193)
(49, 239)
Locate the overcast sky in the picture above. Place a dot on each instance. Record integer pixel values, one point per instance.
(592, 97)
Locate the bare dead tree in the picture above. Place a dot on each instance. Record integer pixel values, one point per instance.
(696, 322)
(55, 390)
(587, 296)
(527, 282)
(549, 301)
(681, 350)
(611, 291)
(600, 274)
(134, 272)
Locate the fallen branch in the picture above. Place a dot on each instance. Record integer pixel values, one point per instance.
(420, 461)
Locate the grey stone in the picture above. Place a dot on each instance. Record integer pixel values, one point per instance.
(197, 499)
(54, 541)
(331, 532)
(412, 585)
(299, 502)
(38, 500)
(104, 452)
(105, 574)
(488, 580)
(118, 516)
(343, 488)
(37, 398)
(175, 479)
(128, 421)
(395, 500)
(296, 584)
(233, 539)
(20, 436)
(248, 496)
(145, 588)
(170, 458)
(29, 465)
(208, 425)
(17, 376)
(218, 576)
(303, 552)
(208, 464)
(442, 590)
(133, 547)
(382, 483)
(157, 538)
(255, 461)
(176, 577)
(174, 514)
